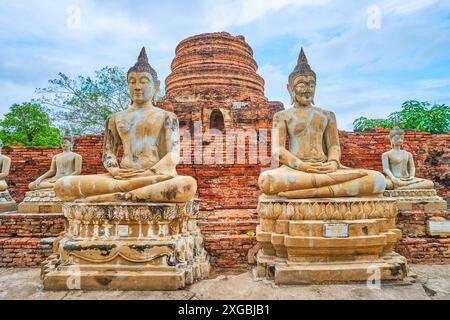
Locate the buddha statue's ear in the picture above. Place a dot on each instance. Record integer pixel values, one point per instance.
(157, 84)
(290, 93)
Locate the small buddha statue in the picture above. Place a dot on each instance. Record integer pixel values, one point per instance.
(67, 163)
(5, 164)
(311, 166)
(151, 150)
(398, 165)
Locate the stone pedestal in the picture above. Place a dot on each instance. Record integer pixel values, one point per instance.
(127, 246)
(7, 203)
(423, 199)
(41, 201)
(328, 240)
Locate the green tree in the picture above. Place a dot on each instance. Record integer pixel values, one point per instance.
(84, 103)
(414, 115)
(28, 124)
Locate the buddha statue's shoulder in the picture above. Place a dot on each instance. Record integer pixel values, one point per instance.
(386, 153)
(329, 114)
(2, 156)
(283, 114)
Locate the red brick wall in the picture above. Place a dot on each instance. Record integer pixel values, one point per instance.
(235, 186)
(416, 243)
(26, 239)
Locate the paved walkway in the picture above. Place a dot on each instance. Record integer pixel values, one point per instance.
(430, 282)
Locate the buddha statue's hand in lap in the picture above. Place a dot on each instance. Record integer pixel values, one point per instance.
(398, 166)
(311, 166)
(150, 140)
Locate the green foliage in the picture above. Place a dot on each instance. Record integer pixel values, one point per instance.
(28, 124)
(84, 103)
(414, 115)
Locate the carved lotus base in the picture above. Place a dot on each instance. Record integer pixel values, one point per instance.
(417, 199)
(41, 201)
(323, 240)
(127, 246)
(7, 203)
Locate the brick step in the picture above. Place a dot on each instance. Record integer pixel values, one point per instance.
(24, 252)
(425, 250)
(229, 251)
(31, 225)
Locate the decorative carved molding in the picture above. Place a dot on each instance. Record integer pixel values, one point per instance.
(326, 209)
(5, 196)
(41, 196)
(413, 195)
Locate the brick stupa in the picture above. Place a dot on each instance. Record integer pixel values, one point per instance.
(214, 80)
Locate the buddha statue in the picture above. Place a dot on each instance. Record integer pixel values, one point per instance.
(398, 166)
(311, 166)
(5, 164)
(150, 141)
(67, 163)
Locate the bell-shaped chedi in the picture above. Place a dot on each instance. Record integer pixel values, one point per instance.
(214, 80)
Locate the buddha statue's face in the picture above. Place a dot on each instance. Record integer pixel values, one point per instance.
(302, 90)
(142, 87)
(397, 140)
(66, 145)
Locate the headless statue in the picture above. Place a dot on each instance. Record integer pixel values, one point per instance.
(150, 140)
(311, 166)
(67, 163)
(5, 165)
(398, 166)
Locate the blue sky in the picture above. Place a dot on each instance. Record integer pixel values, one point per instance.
(365, 66)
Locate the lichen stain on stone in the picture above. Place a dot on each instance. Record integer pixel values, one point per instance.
(104, 280)
(171, 193)
(105, 250)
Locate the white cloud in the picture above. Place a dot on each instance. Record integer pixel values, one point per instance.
(231, 13)
(403, 7)
(433, 83)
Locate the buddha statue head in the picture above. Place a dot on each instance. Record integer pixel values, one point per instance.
(143, 82)
(67, 141)
(302, 82)
(396, 135)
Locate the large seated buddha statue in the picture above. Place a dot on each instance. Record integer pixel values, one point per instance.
(398, 166)
(150, 140)
(311, 166)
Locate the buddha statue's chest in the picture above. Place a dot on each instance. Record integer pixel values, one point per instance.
(64, 163)
(304, 122)
(398, 158)
(138, 125)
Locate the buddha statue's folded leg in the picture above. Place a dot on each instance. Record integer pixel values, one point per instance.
(177, 189)
(3, 185)
(389, 183)
(99, 187)
(287, 179)
(372, 184)
(418, 183)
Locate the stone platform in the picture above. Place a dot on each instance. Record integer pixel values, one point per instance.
(40, 201)
(7, 203)
(417, 199)
(127, 246)
(328, 240)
